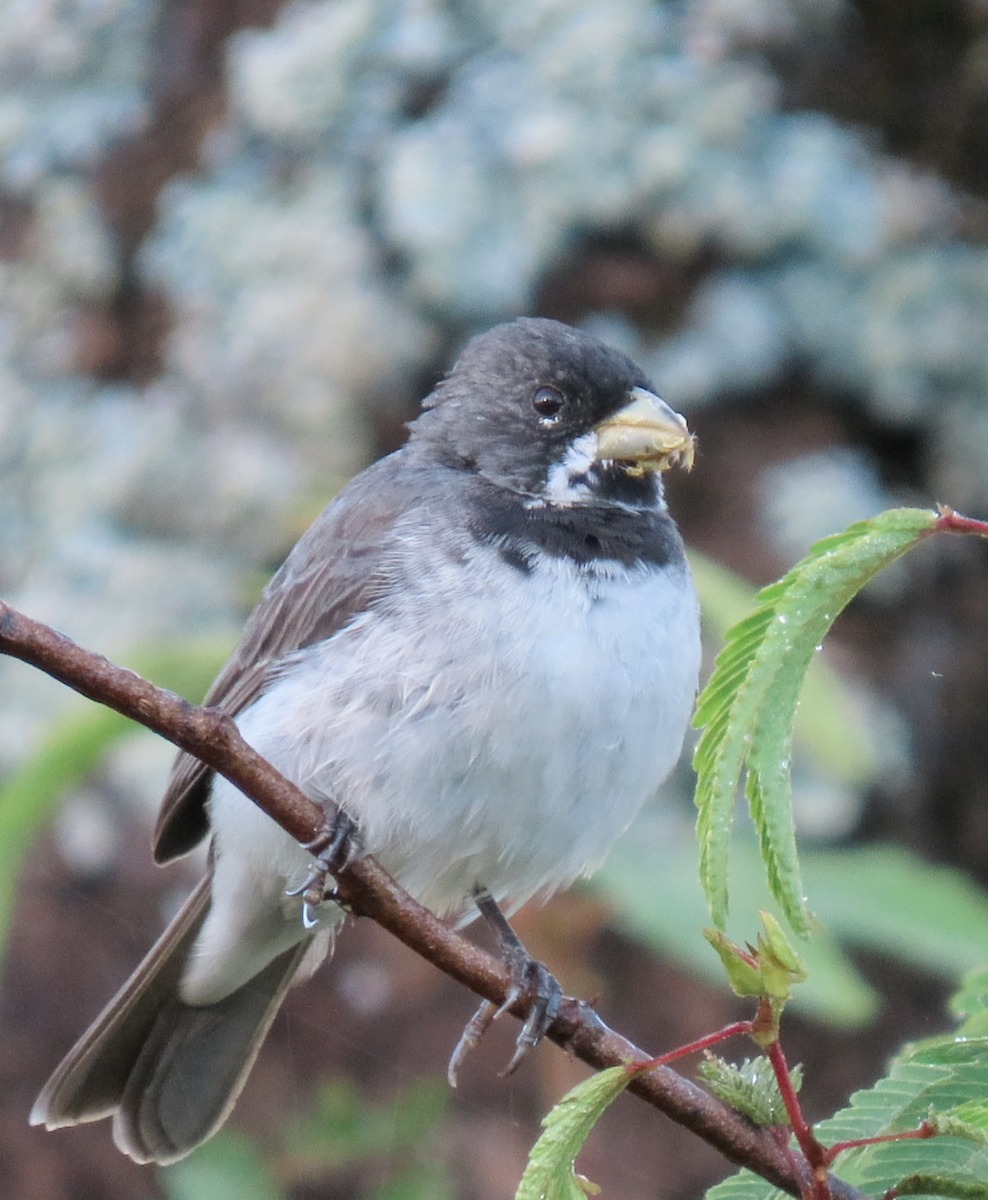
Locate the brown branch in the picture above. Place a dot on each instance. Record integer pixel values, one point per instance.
(213, 737)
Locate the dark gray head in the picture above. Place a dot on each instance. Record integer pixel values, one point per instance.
(520, 398)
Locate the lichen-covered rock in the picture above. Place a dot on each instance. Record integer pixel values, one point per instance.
(72, 78)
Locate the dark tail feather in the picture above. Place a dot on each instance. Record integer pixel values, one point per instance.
(194, 1065)
(89, 1081)
(169, 1072)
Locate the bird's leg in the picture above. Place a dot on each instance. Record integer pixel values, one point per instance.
(335, 845)
(530, 979)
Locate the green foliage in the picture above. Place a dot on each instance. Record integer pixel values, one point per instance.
(970, 1004)
(419, 1181)
(550, 1173)
(968, 1120)
(228, 1167)
(941, 1080)
(946, 1076)
(942, 1185)
(73, 746)
(886, 898)
(827, 728)
(65, 755)
(751, 1088)
(767, 970)
(342, 1132)
(879, 897)
(746, 710)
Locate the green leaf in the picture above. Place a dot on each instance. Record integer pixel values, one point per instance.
(768, 970)
(775, 946)
(877, 896)
(958, 1187)
(885, 897)
(742, 969)
(946, 1074)
(650, 880)
(970, 1003)
(72, 747)
(227, 1167)
(828, 728)
(969, 1120)
(748, 706)
(549, 1174)
(751, 1088)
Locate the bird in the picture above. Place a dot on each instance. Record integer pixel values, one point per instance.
(482, 655)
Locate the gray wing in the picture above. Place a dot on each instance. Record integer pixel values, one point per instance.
(335, 571)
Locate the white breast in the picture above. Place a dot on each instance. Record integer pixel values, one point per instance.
(496, 741)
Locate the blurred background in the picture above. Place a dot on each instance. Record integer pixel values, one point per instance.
(239, 241)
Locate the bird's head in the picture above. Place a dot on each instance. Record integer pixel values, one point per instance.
(552, 413)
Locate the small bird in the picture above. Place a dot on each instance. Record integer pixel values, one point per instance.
(484, 651)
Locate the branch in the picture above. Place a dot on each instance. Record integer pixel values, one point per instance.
(212, 736)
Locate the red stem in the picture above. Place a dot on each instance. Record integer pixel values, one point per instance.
(814, 1153)
(711, 1039)
(952, 522)
(926, 1130)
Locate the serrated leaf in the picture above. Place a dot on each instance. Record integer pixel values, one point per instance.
(549, 1174)
(877, 896)
(650, 880)
(958, 1187)
(776, 832)
(751, 1088)
(747, 708)
(969, 1120)
(948, 1074)
(827, 727)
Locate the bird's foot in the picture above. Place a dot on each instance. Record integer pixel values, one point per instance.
(534, 982)
(531, 982)
(334, 847)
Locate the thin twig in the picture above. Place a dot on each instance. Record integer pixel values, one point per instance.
(369, 891)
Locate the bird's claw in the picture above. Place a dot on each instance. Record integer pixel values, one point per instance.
(473, 1031)
(531, 981)
(334, 847)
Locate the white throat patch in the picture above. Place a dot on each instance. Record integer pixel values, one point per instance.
(567, 482)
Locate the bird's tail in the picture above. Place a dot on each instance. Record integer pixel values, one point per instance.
(167, 1072)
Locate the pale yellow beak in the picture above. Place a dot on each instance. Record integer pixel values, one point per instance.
(646, 434)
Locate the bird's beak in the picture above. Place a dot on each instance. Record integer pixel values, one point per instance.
(646, 434)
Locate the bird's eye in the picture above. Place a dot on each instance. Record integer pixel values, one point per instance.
(548, 403)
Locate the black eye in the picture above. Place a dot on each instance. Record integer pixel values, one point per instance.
(548, 403)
